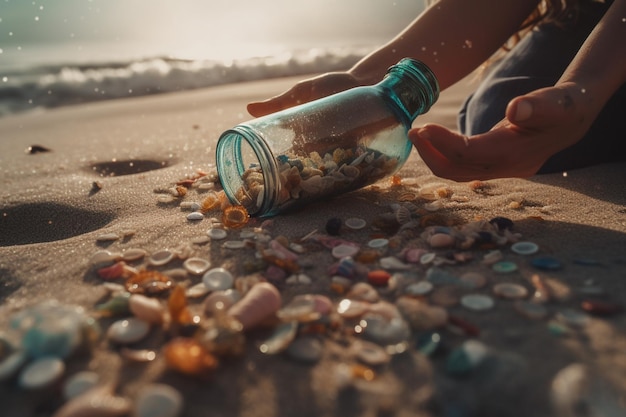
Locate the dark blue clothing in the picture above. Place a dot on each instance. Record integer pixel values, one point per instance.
(538, 61)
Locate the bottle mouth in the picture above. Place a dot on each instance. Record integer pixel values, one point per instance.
(422, 75)
(245, 165)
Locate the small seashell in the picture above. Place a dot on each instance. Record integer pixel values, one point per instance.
(434, 205)
(394, 264)
(419, 288)
(41, 373)
(161, 257)
(473, 279)
(370, 353)
(146, 308)
(234, 244)
(379, 243)
(188, 356)
(363, 291)
(158, 400)
(107, 237)
(133, 254)
(220, 300)
(165, 198)
(504, 267)
(510, 290)
(441, 240)
(302, 308)
(261, 302)
(195, 216)
(307, 349)
(351, 309)
(525, 248)
(283, 335)
(217, 279)
(299, 279)
(196, 266)
(217, 233)
(355, 223)
(427, 258)
(466, 358)
(12, 363)
(128, 331)
(492, 257)
(403, 215)
(378, 277)
(196, 291)
(103, 257)
(344, 250)
(79, 384)
(95, 402)
(235, 217)
(477, 302)
(420, 315)
(138, 355)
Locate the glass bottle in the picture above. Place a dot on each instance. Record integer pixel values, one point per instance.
(326, 147)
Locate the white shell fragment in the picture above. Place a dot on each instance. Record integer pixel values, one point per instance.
(133, 254)
(195, 216)
(11, 364)
(510, 290)
(79, 384)
(379, 243)
(41, 373)
(158, 400)
(161, 257)
(129, 330)
(108, 237)
(343, 250)
(234, 244)
(217, 279)
(525, 248)
(95, 402)
(355, 223)
(196, 291)
(217, 234)
(196, 266)
(103, 257)
(146, 308)
(477, 302)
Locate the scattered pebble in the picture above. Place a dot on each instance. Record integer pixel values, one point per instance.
(218, 279)
(158, 400)
(128, 331)
(41, 373)
(195, 216)
(477, 302)
(79, 384)
(510, 290)
(525, 248)
(217, 234)
(355, 223)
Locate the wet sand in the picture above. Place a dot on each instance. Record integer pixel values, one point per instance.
(52, 216)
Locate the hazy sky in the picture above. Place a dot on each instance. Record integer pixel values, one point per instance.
(199, 25)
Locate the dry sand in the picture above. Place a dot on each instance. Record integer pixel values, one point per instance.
(51, 217)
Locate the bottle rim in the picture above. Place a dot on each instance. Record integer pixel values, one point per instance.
(420, 73)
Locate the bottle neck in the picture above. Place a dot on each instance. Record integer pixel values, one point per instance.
(412, 86)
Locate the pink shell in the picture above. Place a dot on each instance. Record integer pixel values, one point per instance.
(258, 304)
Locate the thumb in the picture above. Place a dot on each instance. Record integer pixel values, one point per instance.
(541, 108)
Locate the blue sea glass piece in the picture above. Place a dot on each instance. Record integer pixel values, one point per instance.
(547, 263)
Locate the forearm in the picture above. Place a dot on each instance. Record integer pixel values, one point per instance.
(452, 37)
(600, 65)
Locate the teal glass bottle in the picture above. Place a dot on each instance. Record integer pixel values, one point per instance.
(325, 147)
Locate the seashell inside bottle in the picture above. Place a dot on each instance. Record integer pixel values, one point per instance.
(326, 147)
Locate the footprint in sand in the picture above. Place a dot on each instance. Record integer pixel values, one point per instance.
(127, 167)
(47, 222)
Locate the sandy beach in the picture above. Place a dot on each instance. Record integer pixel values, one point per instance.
(51, 216)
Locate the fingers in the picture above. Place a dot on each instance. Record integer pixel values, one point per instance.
(274, 104)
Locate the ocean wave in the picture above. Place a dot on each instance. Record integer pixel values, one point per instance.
(66, 84)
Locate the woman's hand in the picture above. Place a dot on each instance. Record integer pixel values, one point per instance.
(305, 91)
(536, 126)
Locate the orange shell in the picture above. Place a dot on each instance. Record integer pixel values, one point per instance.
(235, 216)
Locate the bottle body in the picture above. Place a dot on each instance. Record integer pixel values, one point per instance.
(326, 147)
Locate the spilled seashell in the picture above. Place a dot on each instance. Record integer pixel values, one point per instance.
(41, 373)
(197, 291)
(434, 205)
(283, 335)
(217, 233)
(351, 309)
(161, 257)
(302, 308)
(220, 301)
(217, 279)
(138, 355)
(133, 254)
(298, 279)
(393, 263)
(308, 349)
(403, 215)
(128, 331)
(189, 357)
(260, 303)
(195, 216)
(107, 237)
(370, 353)
(158, 400)
(96, 402)
(79, 384)
(196, 266)
(146, 308)
(103, 257)
(362, 291)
